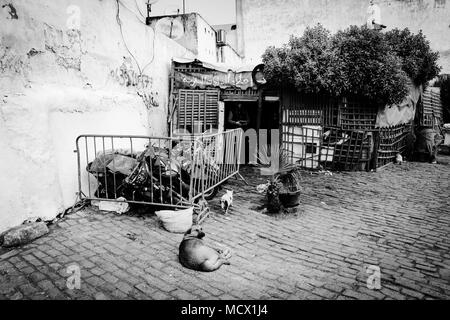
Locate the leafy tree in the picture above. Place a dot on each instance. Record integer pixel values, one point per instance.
(304, 62)
(371, 69)
(419, 61)
(276, 70)
(357, 61)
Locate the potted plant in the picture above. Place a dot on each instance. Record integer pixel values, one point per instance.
(289, 193)
(273, 202)
(283, 187)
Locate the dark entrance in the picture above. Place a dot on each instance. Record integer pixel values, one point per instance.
(245, 112)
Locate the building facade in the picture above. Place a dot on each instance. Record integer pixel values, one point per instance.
(262, 23)
(212, 44)
(73, 67)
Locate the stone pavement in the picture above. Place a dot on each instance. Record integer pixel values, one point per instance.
(397, 219)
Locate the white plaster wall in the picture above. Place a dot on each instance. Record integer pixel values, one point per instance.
(197, 35)
(59, 80)
(181, 28)
(232, 58)
(207, 49)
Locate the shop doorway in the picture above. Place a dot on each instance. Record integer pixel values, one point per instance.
(243, 114)
(269, 130)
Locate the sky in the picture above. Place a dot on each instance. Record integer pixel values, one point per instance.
(213, 11)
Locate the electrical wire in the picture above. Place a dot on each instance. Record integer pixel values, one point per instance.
(133, 12)
(137, 7)
(119, 22)
(153, 51)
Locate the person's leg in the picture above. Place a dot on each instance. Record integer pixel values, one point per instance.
(433, 155)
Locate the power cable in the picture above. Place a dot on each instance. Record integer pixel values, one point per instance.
(123, 38)
(119, 22)
(137, 7)
(153, 51)
(133, 12)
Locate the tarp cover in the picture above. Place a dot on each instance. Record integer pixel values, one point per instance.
(401, 113)
(215, 75)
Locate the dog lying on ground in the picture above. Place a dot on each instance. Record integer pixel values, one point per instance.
(194, 254)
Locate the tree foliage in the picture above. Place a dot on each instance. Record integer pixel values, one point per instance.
(306, 62)
(370, 67)
(357, 61)
(419, 61)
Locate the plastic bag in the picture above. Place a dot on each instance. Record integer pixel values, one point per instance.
(176, 221)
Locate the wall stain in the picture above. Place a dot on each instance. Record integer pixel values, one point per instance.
(126, 76)
(33, 52)
(12, 62)
(150, 99)
(12, 11)
(439, 3)
(67, 46)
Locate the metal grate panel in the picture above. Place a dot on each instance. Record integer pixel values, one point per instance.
(431, 112)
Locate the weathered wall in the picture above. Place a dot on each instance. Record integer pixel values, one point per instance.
(195, 34)
(65, 71)
(231, 34)
(271, 22)
(231, 57)
(180, 28)
(207, 49)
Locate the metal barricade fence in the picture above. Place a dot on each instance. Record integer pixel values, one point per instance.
(161, 171)
(220, 160)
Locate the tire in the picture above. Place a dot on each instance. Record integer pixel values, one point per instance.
(211, 193)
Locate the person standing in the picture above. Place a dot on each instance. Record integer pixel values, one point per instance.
(238, 117)
(374, 16)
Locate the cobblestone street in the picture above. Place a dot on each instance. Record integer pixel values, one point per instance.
(397, 219)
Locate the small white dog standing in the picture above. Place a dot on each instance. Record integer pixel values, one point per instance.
(398, 159)
(227, 200)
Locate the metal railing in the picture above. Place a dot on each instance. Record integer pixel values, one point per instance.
(160, 171)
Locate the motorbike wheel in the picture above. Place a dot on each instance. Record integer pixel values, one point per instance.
(211, 193)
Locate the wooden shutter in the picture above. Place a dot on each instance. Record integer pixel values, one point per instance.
(198, 105)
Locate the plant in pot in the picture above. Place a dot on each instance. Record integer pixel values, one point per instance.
(289, 193)
(283, 187)
(273, 202)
